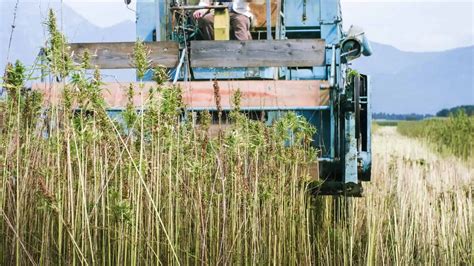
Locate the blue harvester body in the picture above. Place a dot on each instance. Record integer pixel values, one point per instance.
(343, 122)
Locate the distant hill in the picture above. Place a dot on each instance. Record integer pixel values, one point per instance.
(403, 82)
(408, 82)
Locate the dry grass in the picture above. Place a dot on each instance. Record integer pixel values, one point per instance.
(77, 187)
(433, 203)
(453, 135)
(84, 196)
(417, 210)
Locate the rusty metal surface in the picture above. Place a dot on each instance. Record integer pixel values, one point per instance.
(118, 55)
(264, 94)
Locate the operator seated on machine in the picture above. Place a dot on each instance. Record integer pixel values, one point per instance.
(240, 16)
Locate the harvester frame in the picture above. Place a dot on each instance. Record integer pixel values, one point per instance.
(298, 61)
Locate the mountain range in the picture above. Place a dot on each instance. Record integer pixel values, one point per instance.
(402, 82)
(409, 82)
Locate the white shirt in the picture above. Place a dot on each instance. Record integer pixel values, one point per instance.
(238, 6)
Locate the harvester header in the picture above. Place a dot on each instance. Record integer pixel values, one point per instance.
(290, 56)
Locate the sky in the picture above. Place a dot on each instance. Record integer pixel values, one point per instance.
(414, 25)
(409, 25)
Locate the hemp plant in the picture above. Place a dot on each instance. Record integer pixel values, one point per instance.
(151, 185)
(56, 51)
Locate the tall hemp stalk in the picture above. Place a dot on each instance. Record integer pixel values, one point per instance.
(151, 186)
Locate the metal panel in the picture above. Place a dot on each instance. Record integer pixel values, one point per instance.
(227, 73)
(330, 21)
(146, 19)
(365, 156)
(350, 156)
(119, 55)
(259, 53)
(369, 114)
(162, 19)
(299, 13)
(321, 119)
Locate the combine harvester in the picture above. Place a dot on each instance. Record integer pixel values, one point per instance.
(298, 61)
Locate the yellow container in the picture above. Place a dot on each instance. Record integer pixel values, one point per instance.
(221, 24)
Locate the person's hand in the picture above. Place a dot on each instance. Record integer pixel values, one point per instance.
(199, 13)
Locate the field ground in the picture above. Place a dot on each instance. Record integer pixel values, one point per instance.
(418, 208)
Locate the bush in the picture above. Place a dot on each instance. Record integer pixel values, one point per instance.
(454, 134)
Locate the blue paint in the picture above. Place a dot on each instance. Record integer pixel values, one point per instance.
(146, 20)
(233, 73)
(295, 12)
(350, 151)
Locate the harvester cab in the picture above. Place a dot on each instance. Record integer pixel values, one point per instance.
(297, 61)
